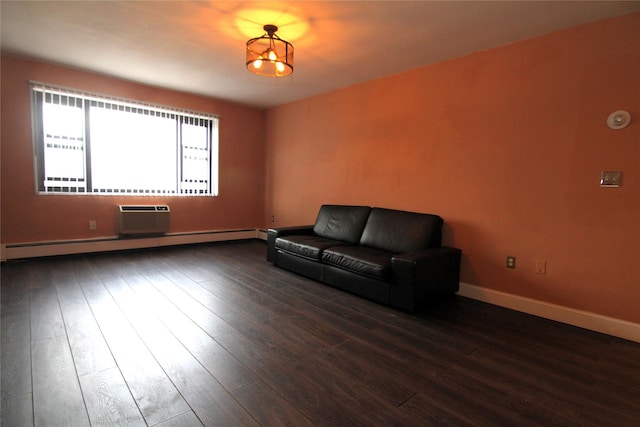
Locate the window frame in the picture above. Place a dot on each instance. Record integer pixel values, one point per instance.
(86, 101)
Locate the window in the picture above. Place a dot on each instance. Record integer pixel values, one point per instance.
(91, 144)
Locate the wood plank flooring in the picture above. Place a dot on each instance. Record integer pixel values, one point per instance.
(214, 335)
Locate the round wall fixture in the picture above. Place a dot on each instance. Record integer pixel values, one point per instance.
(619, 119)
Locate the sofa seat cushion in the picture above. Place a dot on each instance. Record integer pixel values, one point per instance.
(370, 262)
(307, 246)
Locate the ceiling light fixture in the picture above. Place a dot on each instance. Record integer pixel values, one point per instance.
(269, 55)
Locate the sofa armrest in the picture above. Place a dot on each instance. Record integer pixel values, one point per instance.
(274, 233)
(418, 275)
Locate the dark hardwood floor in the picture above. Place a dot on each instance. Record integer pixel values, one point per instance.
(215, 335)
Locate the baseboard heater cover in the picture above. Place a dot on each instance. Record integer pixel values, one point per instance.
(56, 248)
(138, 220)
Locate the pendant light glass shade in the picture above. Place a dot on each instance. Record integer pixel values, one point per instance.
(269, 55)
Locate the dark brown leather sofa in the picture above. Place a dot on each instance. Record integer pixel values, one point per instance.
(389, 256)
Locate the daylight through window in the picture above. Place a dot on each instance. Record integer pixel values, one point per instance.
(91, 144)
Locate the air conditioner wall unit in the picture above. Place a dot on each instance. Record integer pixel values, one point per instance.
(143, 219)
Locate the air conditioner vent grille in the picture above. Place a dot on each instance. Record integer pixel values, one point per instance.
(143, 219)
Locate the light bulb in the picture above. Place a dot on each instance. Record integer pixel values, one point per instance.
(257, 63)
(272, 56)
(280, 66)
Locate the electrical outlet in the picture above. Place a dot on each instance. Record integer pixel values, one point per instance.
(541, 267)
(511, 262)
(92, 225)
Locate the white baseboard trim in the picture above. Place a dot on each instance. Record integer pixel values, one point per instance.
(68, 247)
(583, 319)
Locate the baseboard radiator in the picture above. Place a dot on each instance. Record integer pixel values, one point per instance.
(17, 251)
(140, 220)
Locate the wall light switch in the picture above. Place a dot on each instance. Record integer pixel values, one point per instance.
(610, 179)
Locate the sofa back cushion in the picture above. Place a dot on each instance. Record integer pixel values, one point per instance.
(341, 222)
(401, 231)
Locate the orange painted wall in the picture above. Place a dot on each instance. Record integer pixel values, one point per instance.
(507, 145)
(28, 217)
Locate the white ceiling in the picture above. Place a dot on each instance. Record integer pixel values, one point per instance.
(198, 46)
